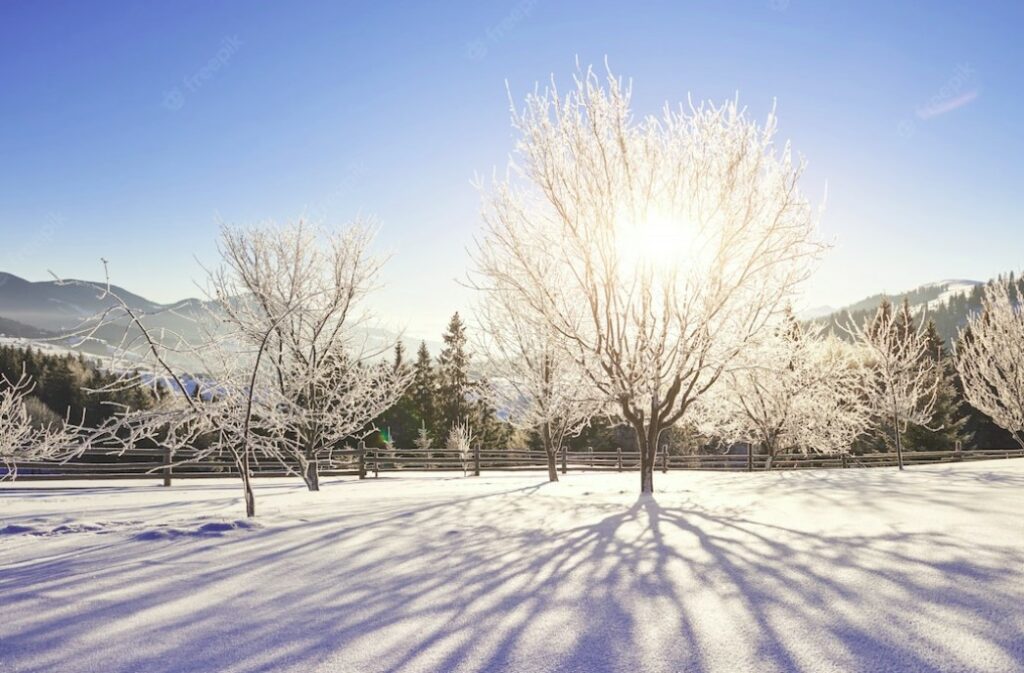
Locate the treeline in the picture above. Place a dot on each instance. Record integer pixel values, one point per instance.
(69, 385)
(445, 391)
(949, 315)
(442, 394)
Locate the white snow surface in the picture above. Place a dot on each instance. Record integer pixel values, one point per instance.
(841, 570)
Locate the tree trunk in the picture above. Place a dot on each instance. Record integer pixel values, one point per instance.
(250, 497)
(311, 475)
(552, 465)
(899, 442)
(646, 473)
(647, 444)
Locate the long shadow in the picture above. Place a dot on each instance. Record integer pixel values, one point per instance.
(525, 579)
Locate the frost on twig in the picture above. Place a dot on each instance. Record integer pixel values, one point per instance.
(22, 439)
(990, 357)
(902, 377)
(656, 249)
(794, 390)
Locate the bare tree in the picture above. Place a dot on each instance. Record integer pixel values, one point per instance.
(302, 284)
(795, 390)
(533, 378)
(656, 249)
(903, 377)
(990, 358)
(460, 443)
(22, 438)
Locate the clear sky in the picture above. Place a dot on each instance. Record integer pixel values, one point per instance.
(128, 130)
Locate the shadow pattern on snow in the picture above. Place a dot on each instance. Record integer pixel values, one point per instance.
(487, 583)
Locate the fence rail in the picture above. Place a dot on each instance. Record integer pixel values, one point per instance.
(183, 464)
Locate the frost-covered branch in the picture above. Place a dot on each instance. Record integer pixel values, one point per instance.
(794, 390)
(903, 376)
(990, 358)
(533, 377)
(301, 286)
(22, 438)
(656, 249)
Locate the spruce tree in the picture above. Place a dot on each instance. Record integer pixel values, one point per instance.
(399, 424)
(949, 420)
(453, 385)
(423, 391)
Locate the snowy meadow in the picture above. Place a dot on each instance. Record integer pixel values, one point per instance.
(820, 570)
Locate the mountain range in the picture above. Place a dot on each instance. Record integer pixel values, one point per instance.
(40, 312)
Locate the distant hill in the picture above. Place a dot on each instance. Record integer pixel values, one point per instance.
(947, 302)
(13, 328)
(47, 309)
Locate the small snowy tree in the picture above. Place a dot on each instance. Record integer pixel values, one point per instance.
(239, 423)
(302, 285)
(903, 380)
(460, 443)
(22, 439)
(655, 249)
(795, 390)
(424, 442)
(534, 379)
(990, 358)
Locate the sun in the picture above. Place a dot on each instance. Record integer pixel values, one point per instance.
(658, 241)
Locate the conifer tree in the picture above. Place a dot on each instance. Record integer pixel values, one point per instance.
(949, 418)
(423, 391)
(453, 384)
(399, 424)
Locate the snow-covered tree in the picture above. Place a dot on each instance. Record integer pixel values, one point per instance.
(534, 379)
(793, 391)
(22, 438)
(903, 379)
(990, 358)
(460, 443)
(239, 424)
(655, 248)
(303, 284)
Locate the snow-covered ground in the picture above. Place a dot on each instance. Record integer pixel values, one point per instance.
(855, 570)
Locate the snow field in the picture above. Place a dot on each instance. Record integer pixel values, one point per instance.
(855, 570)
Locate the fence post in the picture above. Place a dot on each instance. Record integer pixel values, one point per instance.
(750, 456)
(376, 463)
(664, 460)
(846, 461)
(361, 454)
(168, 457)
(565, 461)
(618, 456)
(476, 460)
(590, 449)
(958, 451)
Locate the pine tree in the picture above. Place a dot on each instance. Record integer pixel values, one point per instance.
(488, 429)
(398, 425)
(399, 358)
(949, 419)
(453, 385)
(423, 391)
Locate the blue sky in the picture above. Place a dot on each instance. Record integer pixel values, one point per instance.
(128, 130)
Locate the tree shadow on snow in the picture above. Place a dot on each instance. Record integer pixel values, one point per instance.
(489, 582)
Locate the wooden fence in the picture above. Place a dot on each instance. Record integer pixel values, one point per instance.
(363, 462)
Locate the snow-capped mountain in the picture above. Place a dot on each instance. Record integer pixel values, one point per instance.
(947, 302)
